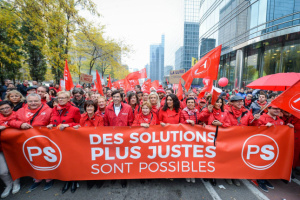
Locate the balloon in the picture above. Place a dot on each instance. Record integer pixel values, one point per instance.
(223, 82)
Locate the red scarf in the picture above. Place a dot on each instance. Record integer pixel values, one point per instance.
(190, 112)
(236, 112)
(247, 102)
(262, 104)
(61, 107)
(217, 113)
(147, 118)
(29, 113)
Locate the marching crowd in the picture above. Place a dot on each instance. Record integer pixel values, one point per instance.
(24, 106)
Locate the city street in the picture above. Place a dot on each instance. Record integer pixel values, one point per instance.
(164, 189)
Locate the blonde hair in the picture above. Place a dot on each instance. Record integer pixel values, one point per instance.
(146, 103)
(14, 92)
(64, 92)
(157, 97)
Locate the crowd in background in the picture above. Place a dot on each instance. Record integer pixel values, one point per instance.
(24, 106)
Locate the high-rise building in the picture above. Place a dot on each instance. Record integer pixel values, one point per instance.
(183, 56)
(157, 60)
(258, 37)
(148, 70)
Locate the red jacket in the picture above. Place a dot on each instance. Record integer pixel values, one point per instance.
(220, 116)
(204, 115)
(151, 119)
(96, 120)
(69, 115)
(42, 119)
(4, 121)
(162, 102)
(169, 116)
(246, 117)
(185, 116)
(125, 117)
(265, 118)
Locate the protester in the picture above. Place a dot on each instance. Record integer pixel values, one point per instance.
(78, 99)
(218, 116)
(133, 101)
(43, 92)
(118, 114)
(16, 98)
(91, 118)
(65, 115)
(257, 105)
(101, 105)
(146, 117)
(6, 115)
(52, 93)
(145, 96)
(170, 113)
(238, 115)
(161, 94)
(140, 96)
(10, 86)
(248, 101)
(241, 93)
(202, 104)
(137, 88)
(271, 118)
(288, 118)
(155, 102)
(31, 90)
(23, 88)
(35, 113)
(108, 95)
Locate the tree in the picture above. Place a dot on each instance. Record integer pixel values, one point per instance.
(10, 43)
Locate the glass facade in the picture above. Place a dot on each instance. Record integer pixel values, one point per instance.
(157, 61)
(258, 37)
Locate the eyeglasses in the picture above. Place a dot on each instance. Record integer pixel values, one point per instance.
(62, 98)
(6, 108)
(33, 101)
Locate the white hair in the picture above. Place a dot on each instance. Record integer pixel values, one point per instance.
(33, 95)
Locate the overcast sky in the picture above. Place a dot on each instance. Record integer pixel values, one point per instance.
(140, 23)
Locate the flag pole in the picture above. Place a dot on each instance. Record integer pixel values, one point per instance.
(262, 110)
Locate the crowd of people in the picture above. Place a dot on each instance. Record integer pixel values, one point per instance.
(24, 106)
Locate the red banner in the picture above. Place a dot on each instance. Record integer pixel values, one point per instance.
(174, 151)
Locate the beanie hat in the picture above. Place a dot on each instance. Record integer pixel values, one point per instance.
(160, 89)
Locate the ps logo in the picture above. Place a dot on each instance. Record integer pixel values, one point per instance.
(295, 103)
(42, 153)
(203, 68)
(260, 156)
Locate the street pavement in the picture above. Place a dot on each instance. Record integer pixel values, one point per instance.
(162, 189)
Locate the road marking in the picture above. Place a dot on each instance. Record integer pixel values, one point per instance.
(211, 190)
(254, 190)
(296, 181)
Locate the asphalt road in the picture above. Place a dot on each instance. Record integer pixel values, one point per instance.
(162, 189)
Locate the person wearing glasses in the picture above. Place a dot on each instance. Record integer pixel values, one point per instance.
(6, 115)
(78, 99)
(65, 115)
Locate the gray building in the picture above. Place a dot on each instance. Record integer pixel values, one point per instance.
(157, 61)
(258, 37)
(148, 70)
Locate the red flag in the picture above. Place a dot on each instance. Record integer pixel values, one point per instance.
(206, 67)
(146, 86)
(109, 85)
(118, 84)
(180, 91)
(207, 88)
(133, 82)
(289, 100)
(127, 85)
(68, 78)
(155, 84)
(167, 81)
(215, 94)
(99, 83)
(137, 75)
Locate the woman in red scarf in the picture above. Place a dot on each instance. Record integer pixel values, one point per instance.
(146, 117)
(91, 118)
(170, 113)
(65, 115)
(189, 115)
(6, 115)
(133, 101)
(217, 115)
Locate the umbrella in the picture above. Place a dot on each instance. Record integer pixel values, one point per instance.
(275, 82)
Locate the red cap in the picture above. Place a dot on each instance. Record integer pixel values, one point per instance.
(160, 89)
(273, 106)
(202, 101)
